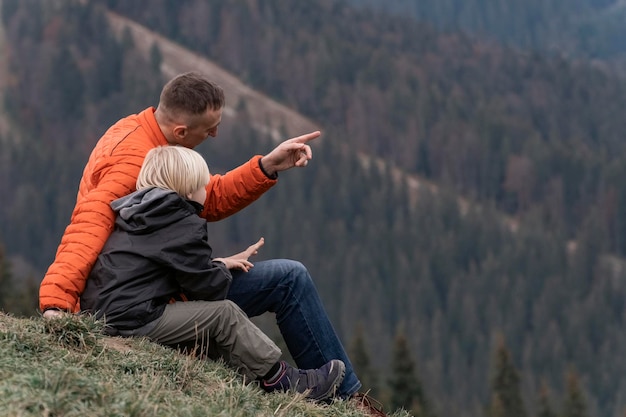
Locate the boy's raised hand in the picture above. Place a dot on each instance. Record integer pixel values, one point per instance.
(240, 260)
(252, 249)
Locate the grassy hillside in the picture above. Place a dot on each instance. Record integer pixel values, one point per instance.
(66, 367)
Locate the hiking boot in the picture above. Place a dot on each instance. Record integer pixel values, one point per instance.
(315, 384)
(368, 405)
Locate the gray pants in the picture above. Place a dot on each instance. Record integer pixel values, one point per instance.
(219, 329)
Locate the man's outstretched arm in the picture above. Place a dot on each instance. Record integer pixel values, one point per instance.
(235, 190)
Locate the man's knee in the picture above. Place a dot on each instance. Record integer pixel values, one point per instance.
(299, 274)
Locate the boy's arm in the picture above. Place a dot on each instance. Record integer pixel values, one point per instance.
(241, 260)
(188, 253)
(212, 280)
(90, 226)
(209, 284)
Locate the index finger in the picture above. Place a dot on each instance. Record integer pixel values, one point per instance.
(306, 137)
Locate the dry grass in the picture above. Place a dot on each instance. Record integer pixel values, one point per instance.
(66, 367)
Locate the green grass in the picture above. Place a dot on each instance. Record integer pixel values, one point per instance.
(66, 367)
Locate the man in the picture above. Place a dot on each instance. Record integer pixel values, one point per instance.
(190, 111)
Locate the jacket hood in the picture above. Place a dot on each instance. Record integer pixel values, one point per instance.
(151, 208)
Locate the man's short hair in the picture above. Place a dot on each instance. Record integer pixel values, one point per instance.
(173, 168)
(191, 94)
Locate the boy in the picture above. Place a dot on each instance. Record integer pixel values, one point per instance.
(155, 277)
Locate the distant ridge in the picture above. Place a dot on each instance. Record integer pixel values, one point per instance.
(268, 116)
(262, 109)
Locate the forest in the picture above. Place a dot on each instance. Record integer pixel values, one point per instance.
(587, 29)
(464, 208)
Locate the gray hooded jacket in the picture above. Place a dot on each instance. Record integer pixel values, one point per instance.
(157, 254)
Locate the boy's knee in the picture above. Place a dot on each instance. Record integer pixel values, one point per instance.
(228, 309)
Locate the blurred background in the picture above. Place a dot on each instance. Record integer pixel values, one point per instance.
(464, 216)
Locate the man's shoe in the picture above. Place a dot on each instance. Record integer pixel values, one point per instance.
(316, 384)
(368, 405)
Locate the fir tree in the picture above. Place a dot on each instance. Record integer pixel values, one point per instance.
(575, 404)
(506, 400)
(544, 408)
(362, 364)
(25, 301)
(156, 58)
(6, 283)
(406, 388)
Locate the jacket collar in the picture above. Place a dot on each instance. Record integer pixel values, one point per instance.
(147, 118)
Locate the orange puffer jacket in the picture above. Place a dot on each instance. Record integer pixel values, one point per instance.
(111, 173)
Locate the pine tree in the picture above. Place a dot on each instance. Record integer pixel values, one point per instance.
(506, 400)
(156, 58)
(544, 408)
(66, 86)
(406, 388)
(362, 364)
(575, 404)
(6, 283)
(25, 301)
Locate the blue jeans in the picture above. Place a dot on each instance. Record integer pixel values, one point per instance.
(285, 287)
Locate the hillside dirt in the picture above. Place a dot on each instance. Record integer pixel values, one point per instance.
(268, 116)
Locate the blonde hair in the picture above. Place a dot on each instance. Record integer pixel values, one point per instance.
(174, 168)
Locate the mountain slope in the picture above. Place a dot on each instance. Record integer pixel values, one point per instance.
(532, 135)
(476, 120)
(267, 115)
(499, 125)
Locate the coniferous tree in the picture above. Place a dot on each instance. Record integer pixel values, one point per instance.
(6, 284)
(544, 408)
(156, 58)
(574, 404)
(506, 399)
(406, 388)
(25, 302)
(362, 364)
(66, 86)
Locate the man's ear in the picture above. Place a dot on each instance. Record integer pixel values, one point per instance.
(180, 131)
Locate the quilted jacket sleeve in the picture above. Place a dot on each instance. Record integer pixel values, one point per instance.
(90, 226)
(235, 190)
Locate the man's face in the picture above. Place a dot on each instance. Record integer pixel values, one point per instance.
(206, 126)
